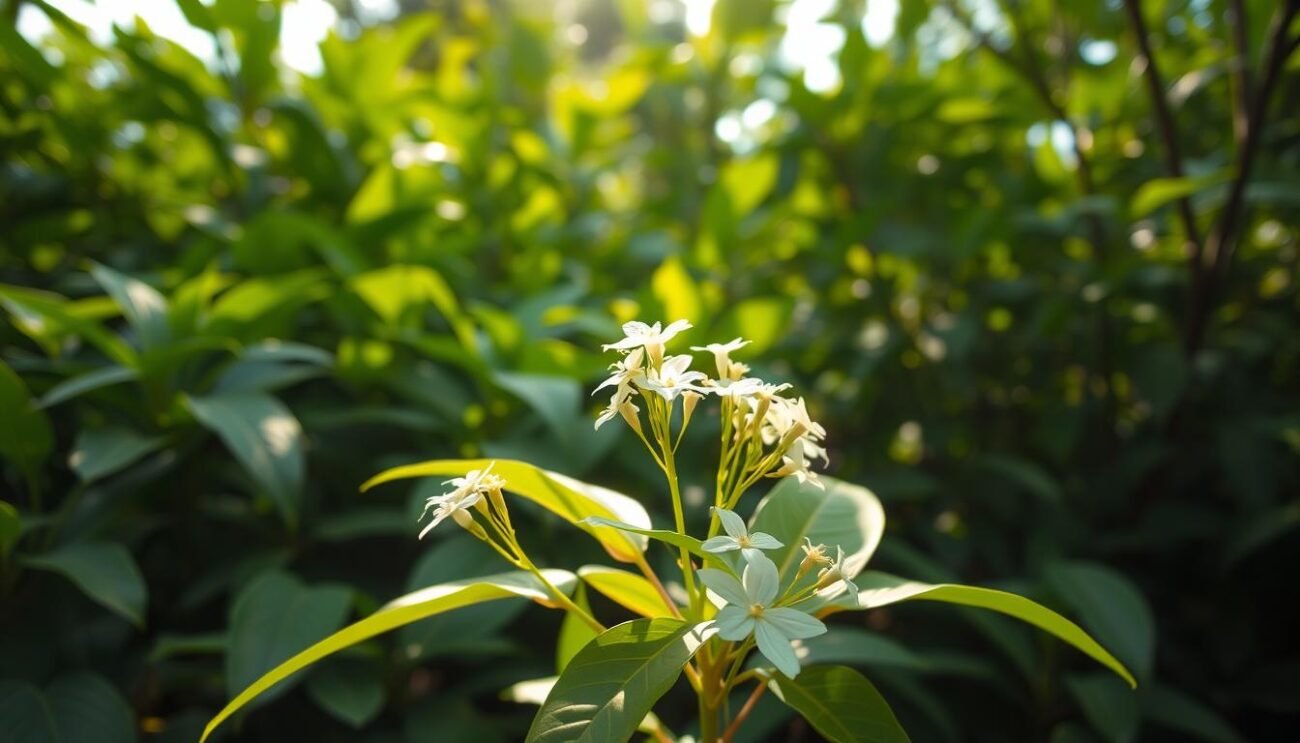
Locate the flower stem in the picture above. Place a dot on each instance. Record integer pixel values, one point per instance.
(670, 471)
(564, 601)
(744, 711)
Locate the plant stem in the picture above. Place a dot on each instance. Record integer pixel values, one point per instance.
(744, 711)
(564, 601)
(708, 706)
(670, 471)
(650, 575)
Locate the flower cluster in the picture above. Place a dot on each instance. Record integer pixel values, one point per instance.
(467, 492)
(764, 433)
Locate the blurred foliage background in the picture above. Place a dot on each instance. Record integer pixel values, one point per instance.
(1033, 263)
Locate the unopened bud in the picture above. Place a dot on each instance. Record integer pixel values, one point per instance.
(689, 401)
(499, 503)
(631, 415)
(467, 522)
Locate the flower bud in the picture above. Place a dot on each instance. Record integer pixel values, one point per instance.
(630, 415)
(689, 401)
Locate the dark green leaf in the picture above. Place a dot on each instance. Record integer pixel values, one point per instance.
(841, 704)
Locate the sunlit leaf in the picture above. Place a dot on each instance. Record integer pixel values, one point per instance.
(841, 704)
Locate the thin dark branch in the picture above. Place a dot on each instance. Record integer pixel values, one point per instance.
(1220, 246)
(1168, 128)
(1241, 88)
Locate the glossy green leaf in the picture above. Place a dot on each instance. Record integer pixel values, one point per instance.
(50, 320)
(104, 571)
(88, 382)
(25, 436)
(844, 515)
(609, 687)
(632, 591)
(142, 306)
(841, 704)
(1110, 607)
(1109, 707)
(681, 541)
(275, 617)
(570, 499)
(398, 613)
(877, 589)
(75, 708)
(266, 439)
(556, 400)
(99, 452)
(349, 689)
(574, 632)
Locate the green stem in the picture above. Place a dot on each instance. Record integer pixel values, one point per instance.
(708, 707)
(564, 601)
(679, 517)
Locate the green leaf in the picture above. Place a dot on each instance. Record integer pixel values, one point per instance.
(100, 452)
(843, 514)
(1177, 711)
(275, 617)
(11, 528)
(556, 400)
(574, 632)
(1111, 709)
(456, 557)
(25, 436)
(144, 308)
(88, 382)
(858, 647)
(676, 291)
(349, 689)
(749, 181)
(570, 499)
(266, 439)
(394, 292)
(691, 544)
(1110, 607)
(629, 590)
(49, 320)
(841, 704)
(610, 686)
(87, 708)
(1157, 192)
(398, 613)
(75, 708)
(104, 571)
(877, 589)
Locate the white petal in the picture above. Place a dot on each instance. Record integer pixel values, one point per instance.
(764, 541)
(794, 624)
(720, 544)
(634, 328)
(776, 649)
(761, 580)
(725, 586)
(734, 623)
(674, 328)
(732, 523)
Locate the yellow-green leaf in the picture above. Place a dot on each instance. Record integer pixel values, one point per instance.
(877, 589)
(397, 613)
(629, 590)
(568, 498)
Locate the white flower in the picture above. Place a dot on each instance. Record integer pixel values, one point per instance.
(673, 378)
(736, 388)
(727, 369)
(749, 610)
(739, 538)
(466, 492)
(833, 580)
(650, 337)
(625, 372)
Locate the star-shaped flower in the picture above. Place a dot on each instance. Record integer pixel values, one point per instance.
(466, 492)
(673, 378)
(650, 337)
(749, 610)
(727, 369)
(834, 580)
(739, 538)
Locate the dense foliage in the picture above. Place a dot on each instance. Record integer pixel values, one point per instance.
(1040, 289)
